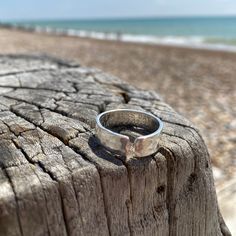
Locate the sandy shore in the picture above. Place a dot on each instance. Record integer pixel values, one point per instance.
(200, 84)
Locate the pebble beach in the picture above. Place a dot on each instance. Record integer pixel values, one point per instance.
(199, 84)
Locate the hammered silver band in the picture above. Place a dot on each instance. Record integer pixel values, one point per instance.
(141, 146)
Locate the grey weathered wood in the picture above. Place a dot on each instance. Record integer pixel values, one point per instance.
(55, 179)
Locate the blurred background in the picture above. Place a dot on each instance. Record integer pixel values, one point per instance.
(184, 50)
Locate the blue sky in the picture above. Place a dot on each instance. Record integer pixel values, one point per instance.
(51, 9)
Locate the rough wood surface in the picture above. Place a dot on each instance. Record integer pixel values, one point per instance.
(55, 179)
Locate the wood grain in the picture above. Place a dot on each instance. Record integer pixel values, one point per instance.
(55, 179)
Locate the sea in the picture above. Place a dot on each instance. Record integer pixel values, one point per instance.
(199, 32)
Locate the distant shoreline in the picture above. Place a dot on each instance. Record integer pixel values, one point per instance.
(181, 42)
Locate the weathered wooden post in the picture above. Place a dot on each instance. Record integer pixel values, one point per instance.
(55, 179)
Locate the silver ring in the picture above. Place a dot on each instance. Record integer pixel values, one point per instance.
(145, 145)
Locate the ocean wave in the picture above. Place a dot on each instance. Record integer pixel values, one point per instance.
(180, 41)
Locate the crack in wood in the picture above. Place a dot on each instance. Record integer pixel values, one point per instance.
(53, 178)
(32, 88)
(120, 205)
(104, 203)
(170, 157)
(16, 200)
(38, 164)
(25, 71)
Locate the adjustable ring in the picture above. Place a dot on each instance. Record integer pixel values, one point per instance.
(144, 145)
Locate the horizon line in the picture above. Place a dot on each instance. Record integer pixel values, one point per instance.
(121, 18)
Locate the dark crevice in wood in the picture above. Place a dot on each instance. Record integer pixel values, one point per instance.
(192, 176)
(42, 107)
(42, 167)
(126, 97)
(170, 157)
(32, 88)
(191, 179)
(224, 230)
(26, 71)
(40, 126)
(53, 99)
(201, 142)
(15, 133)
(129, 92)
(42, 116)
(200, 137)
(188, 143)
(102, 108)
(177, 136)
(25, 101)
(52, 177)
(74, 189)
(48, 228)
(76, 196)
(161, 189)
(104, 202)
(128, 206)
(59, 188)
(16, 201)
(86, 159)
(106, 210)
(130, 202)
(30, 161)
(75, 87)
(194, 149)
(63, 212)
(55, 110)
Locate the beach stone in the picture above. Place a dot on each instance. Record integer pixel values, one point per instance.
(56, 179)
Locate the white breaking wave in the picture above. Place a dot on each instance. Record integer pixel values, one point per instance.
(180, 41)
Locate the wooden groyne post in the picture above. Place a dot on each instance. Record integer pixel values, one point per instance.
(55, 179)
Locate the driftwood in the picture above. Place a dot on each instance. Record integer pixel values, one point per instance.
(55, 179)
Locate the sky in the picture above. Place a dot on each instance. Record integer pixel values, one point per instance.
(87, 9)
